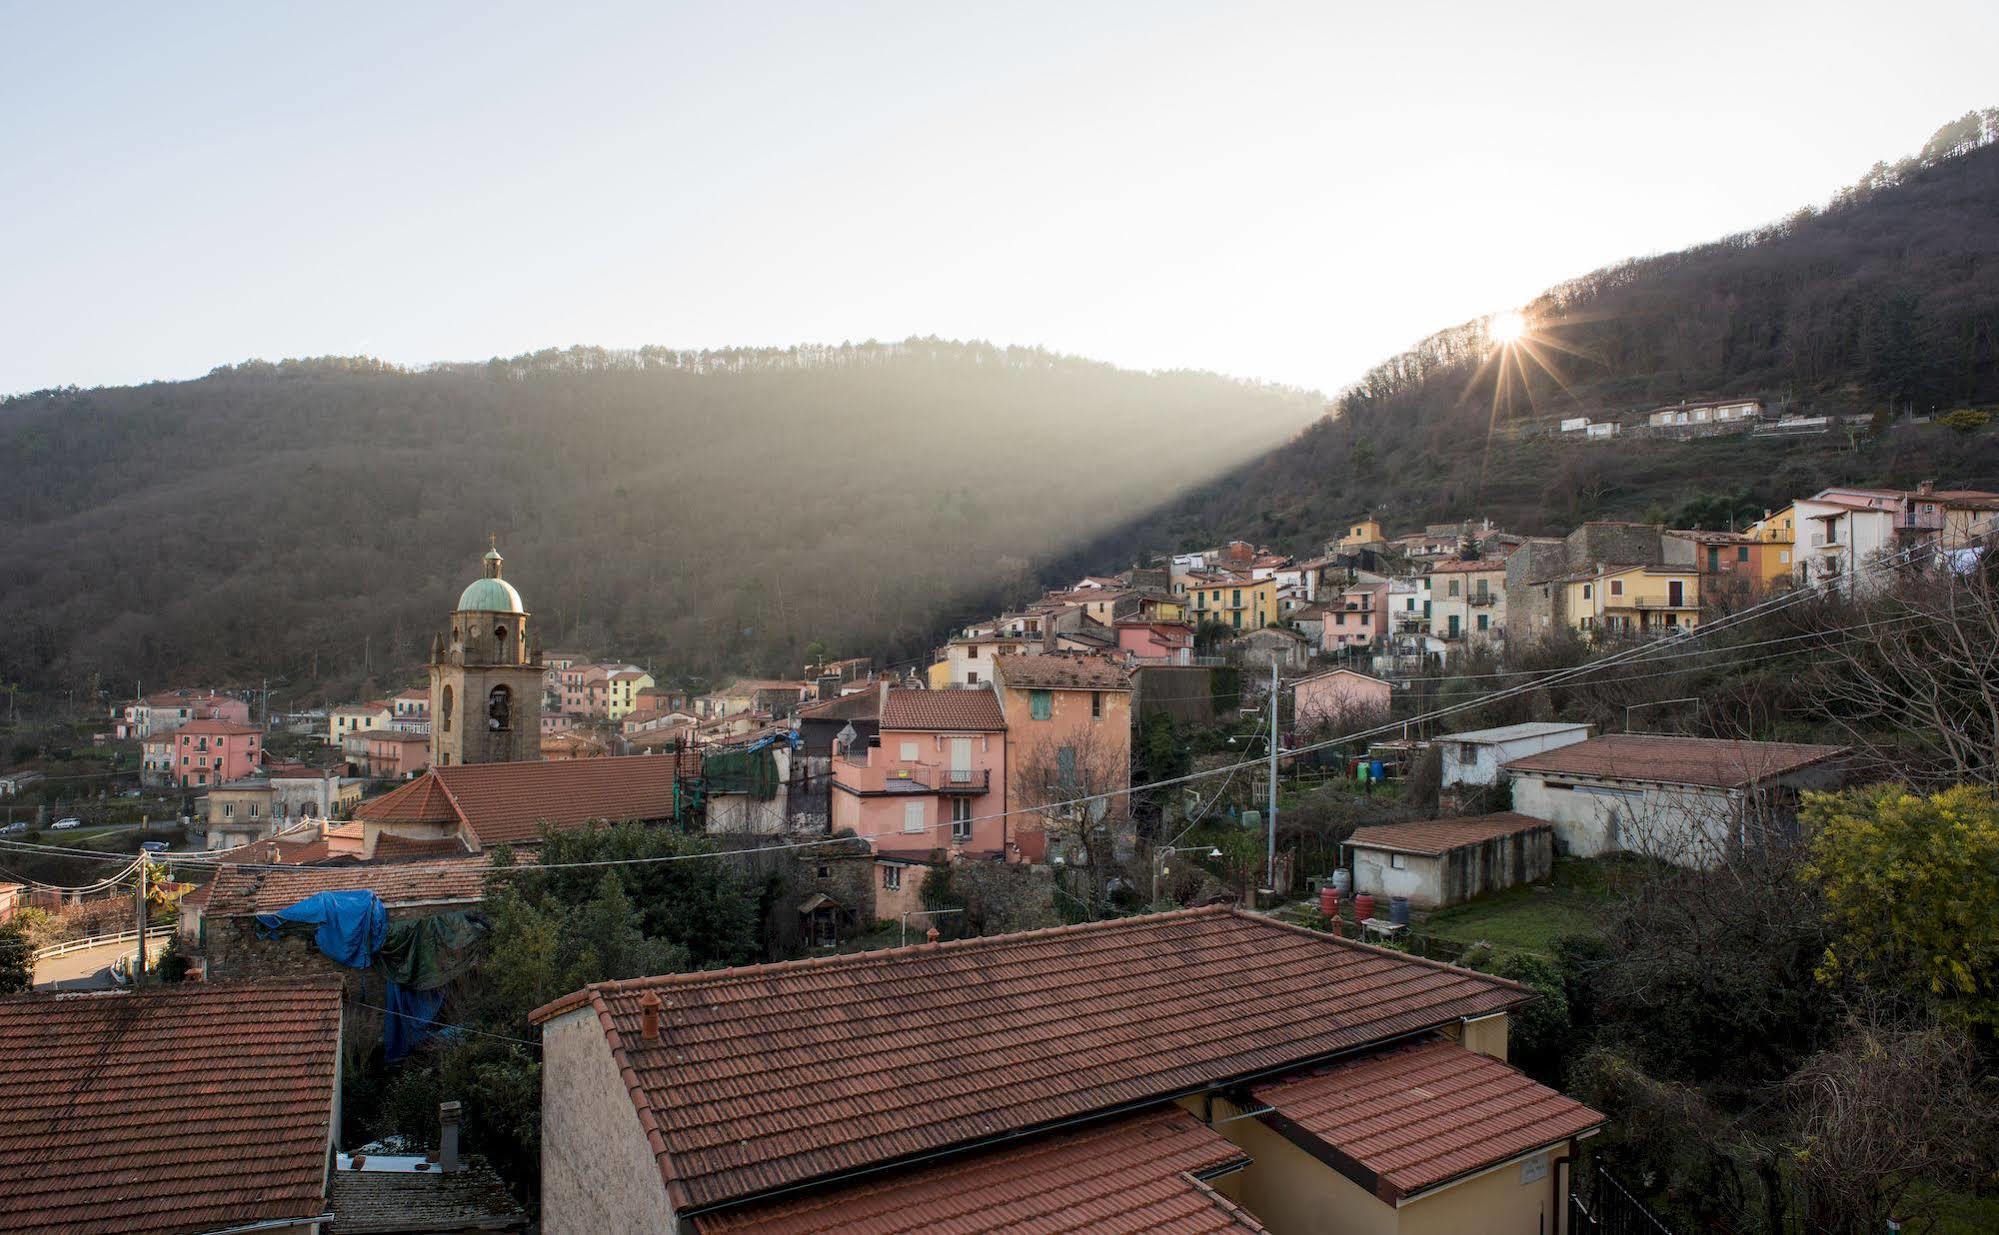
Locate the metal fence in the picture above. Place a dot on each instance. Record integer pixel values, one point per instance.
(1603, 1206)
(97, 941)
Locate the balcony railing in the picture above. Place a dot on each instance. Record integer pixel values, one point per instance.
(1918, 521)
(1482, 598)
(909, 778)
(1648, 602)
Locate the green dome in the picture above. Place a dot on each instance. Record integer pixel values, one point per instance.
(491, 596)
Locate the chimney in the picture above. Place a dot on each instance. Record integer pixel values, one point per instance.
(649, 1016)
(447, 1136)
(931, 934)
(881, 698)
(1927, 487)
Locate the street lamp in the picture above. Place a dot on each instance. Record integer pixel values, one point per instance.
(1159, 863)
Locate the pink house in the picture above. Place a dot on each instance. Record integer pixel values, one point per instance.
(209, 752)
(1356, 617)
(1338, 696)
(166, 711)
(1152, 640)
(934, 780)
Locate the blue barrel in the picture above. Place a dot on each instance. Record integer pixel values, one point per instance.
(1343, 881)
(1398, 910)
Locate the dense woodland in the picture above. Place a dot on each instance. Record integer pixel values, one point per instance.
(706, 512)
(1885, 303)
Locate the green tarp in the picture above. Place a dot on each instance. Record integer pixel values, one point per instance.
(753, 772)
(423, 954)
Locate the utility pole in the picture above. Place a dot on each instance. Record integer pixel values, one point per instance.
(139, 962)
(1270, 843)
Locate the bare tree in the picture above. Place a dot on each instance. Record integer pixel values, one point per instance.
(1918, 696)
(1053, 775)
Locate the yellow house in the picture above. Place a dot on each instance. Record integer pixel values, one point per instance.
(1778, 530)
(621, 691)
(1635, 599)
(1363, 533)
(1234, 600)
(356, 718)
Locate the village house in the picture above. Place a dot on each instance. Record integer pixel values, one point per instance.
(967, 660)
(1356, 617)
(168, 710)
(1242, 1075)
(1738, 414)
(1472, 759)
(356, 717)
(1337, 697)
(158, 766)
(1229, 599)
(209, 752)
(1146, 639)
(1068, 734)
(410, 711)
(1439, 862)
(1737, 565)
(468, 808)
(301, 792)
(933, 778)
(1282, 646)
(171, 1110)
(1689, 801)
(237, 812)
(771, 698)
(388, 754)
(1468, 600)
(1361, 534)
(1645, 600)
(1846, 534)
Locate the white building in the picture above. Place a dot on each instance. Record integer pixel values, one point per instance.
(1474, 758)
(1718, 411)
(1688, 801)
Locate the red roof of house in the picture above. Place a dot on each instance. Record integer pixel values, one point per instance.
(1426, 1113)
(225, 728)
(1717, 763)
(769, 1076)
(1052, 672)
(188, 1107)
(976, 709)
(236, 890)
(1435, 836)
(859, 705)
(1136, 1176)
(508, 802)
(392, 848)
(1459, 567)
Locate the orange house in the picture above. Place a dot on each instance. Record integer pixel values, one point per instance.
(933, 780)
(1068, 736)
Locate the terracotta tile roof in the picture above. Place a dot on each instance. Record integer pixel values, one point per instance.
(401, 1202)
(1462, 568)
(976, 709)
(298, 845)
(392, 848)
(508, 802)
(176, 1108)
(1423, 1114)
(1435, 836)
(769, 1076)
(1047, 672)
(1136, 1176)
(236, 890)
(1717, 763)
(225, 728)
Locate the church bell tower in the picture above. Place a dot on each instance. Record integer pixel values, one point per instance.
(485, 678)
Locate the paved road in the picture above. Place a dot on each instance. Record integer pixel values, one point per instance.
(90, 969)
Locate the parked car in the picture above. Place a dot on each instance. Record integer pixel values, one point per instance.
(153, 846)
(64, 825)
(13, 828)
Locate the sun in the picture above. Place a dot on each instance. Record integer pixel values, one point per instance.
(1505, 328)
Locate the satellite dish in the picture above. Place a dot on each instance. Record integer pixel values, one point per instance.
(845, 738)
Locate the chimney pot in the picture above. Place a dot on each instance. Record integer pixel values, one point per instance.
(649, 1016)
(931, 934)
(447, 1135)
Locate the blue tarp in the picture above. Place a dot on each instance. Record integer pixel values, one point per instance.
(351, 925)
(410, 1019)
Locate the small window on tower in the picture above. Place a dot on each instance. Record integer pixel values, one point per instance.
(444, 717)
(500, 710)
(500, 633)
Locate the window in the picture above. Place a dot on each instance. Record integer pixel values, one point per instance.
(1484, 621)
(1742, 553)
(961, 819)
(1616, 587)
(445, 711)
(892, 878)
(1040, 704)
(255, 810)
(1065, 767)
(228, 810)
(499, 709)
(911, 751)
(1398, 861)
(912, 817)
(825, 871)
(972, 677)
(1096, 705)
(1455, 585)
(1586, 594)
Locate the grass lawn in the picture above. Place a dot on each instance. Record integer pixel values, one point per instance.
(1527, 918)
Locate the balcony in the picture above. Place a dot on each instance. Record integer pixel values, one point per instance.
(909, 778)
(1649, 603)
(1917, 521)
(1480, 599)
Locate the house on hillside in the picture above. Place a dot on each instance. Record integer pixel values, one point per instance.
(1337, 697)
(484, 804)
(353, 717)
(1468, 601)
(1643, 600)
(934, 778)
(1068, 735)
(1282, 646)
(209, 752)
(1690, 801)
(1199, 1071)
(171, 1110)
(1736, 415)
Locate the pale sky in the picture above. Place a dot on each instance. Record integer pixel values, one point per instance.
(1281, 191)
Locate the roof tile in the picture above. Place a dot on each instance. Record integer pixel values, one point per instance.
(1718, 763)
(976, 709)
(1437, 836)
(1054, 672)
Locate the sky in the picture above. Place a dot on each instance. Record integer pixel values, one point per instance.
(1285, 192)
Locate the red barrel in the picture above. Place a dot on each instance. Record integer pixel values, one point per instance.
(1363, 906)
(1329, 900)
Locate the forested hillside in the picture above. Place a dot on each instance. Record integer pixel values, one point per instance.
(712, 511)
(1885, 302)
